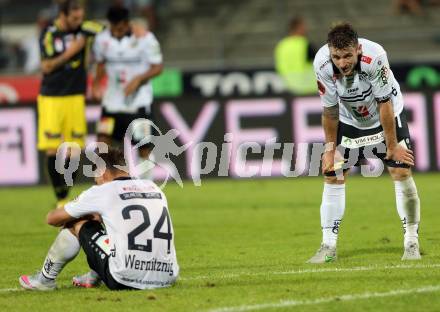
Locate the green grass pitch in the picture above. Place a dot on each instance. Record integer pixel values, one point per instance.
(242, 246)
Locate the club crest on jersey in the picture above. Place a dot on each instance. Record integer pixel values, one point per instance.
(321, 88)
(58, 44)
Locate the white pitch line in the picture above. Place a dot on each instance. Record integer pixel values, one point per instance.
(323, 270)
(352, 297)
(10, 290)
(306, 271)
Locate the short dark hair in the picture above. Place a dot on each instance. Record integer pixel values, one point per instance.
(67, 6)
(114, 157)
(342, 36)
(295, 22)
(117, 14)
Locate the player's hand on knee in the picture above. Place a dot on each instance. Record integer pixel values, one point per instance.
(328, 159)
(401, 154)
(332, 161)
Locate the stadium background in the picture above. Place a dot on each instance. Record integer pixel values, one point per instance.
(220, 74)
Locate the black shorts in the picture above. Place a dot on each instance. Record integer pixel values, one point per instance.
(92, 238)
(356, 145)
(115, 125)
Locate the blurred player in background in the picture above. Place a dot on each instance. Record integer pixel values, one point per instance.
(130, 63)
(135, 247)
(61, 102)
(363, 111)
(293, 59)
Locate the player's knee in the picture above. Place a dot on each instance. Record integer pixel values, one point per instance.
(334, 180)
(400, 174)
(76, 227)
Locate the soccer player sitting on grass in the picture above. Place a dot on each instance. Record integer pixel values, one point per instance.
(134, 249)
(363, 113)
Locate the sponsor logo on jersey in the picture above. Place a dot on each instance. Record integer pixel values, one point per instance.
(324, 64)
(362, 141)
(321, 88)
(366, 59)
(132, 195)
(135, 188)
(353, 90)
(382, 73)
(361, 111)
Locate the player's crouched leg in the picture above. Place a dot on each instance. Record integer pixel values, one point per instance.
(95, 243)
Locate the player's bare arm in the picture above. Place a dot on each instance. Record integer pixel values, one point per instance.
(49, 65)
(330, 120)
(395, 151)
(139, 80)
(59, 217)
(97, 91)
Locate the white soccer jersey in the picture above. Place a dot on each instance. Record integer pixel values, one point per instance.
(140, 232)
(357, 95)
(125, 59)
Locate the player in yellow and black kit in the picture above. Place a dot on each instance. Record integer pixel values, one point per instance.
(61, 103)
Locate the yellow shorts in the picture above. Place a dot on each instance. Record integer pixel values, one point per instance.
(61, 119)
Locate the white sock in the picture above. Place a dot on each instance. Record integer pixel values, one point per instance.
(332, 211)
(146, 168)
(408, 207)
(63, 250)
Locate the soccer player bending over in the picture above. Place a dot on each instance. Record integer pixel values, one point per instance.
(135, 247)
(363, 113)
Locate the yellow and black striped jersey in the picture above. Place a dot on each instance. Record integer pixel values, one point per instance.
(70, 78)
